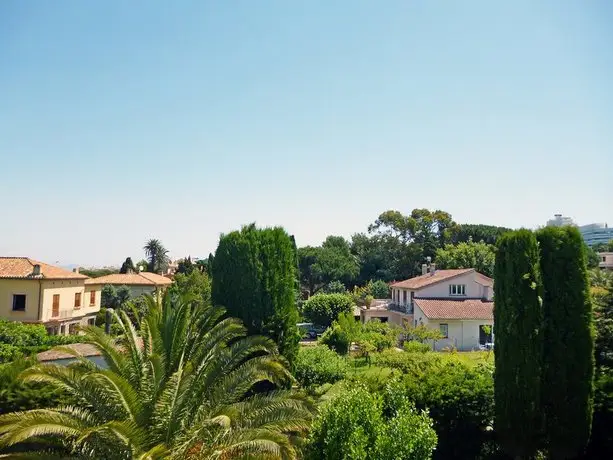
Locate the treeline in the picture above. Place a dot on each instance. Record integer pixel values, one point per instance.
(394, 247)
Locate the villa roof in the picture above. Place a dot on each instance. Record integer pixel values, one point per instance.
(134, 279)
(23, 268)
(456, 309)
(428, 279)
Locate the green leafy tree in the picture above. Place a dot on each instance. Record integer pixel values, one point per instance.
(379, 289)
(113, 297)
(591, 256)
(197, 284)
(185, 266)
(93, 272)
(480, 256)
(335, 287)
(157, 256)
(519, 343)
(324, 309)
(353, 426)
(142, 265)
(336, 339)
(127, 266)
(568, 352)
(184, 386)
(332, 261)
(487, 234)
(254, 277)
(319, 365)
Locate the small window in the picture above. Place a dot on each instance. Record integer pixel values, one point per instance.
(92, 298)
(77, 300)
(444, 328)
(19, 302)
(457, 289)
(55, 309)
(405, 297)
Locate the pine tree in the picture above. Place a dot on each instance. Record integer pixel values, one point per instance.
(568, 352)
(254, 277)
(518, 317)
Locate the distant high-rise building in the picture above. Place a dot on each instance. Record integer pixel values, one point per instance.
(559, 221)
(596, 233)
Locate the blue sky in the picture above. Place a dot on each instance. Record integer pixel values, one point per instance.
(122, 121)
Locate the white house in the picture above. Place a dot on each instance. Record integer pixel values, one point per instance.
(605, 260)
(139, 283)
(457, 302)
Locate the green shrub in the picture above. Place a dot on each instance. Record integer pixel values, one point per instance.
(9, 352)
(413, 346)
(380, 290)
(337, 339)
(460, 399)
(335, 287)
(412, 364)
(22, 335)
(324, 309)
(353, 426)
(379, 341)
(318, 365)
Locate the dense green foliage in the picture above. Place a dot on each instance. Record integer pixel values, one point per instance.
(359, 425)
(334, 287)
(157, 256)
(319, 365)
(488, 234)
(189, 391)
(332, 261)
(254, 277)
(379, 289)
(127, 266)
(460, 399)
(195, 283)
(19, 339)
(115, 297)
(519, 317)
(16, 395)
(568, 351)
(480, 256)
(97, 272)
(336, 339)
(324, 309)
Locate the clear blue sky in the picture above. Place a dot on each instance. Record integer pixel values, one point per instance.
(121, 121)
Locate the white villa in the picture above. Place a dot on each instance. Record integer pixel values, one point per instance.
(457, 302)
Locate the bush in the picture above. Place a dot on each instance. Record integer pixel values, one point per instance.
(335, 338)
(353, 426)
(460, 399)
(9, 352)
(335, 287)
(413, 346)
(324, 309)
(379, 341)
(22, 335)
(380, 290)
(316, 366)
(410, 364)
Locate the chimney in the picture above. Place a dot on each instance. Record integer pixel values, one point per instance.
(432, 269)
(75, 270)
(129, 271)
(36, 270)
(424, 269)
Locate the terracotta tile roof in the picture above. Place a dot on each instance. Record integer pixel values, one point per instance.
(134, 279)
(23, 267)
(483, 280)
(426, 280)
(456, 309)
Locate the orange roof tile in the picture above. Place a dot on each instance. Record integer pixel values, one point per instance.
(23, 267)
(431, 278)
(456, 309)
(135, 279)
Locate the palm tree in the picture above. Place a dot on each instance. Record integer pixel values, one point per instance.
(157, 255)
(185, 387)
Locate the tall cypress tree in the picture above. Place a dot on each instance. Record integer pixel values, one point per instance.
(518, 317)
(254, 273)
(568, 352)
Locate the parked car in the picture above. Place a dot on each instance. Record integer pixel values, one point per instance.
(310, 331)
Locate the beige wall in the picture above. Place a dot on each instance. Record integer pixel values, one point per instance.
(30, 288)
(463, 335)
(441, 290)
(393, 317)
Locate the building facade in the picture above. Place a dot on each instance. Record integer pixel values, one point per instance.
(35, 292)
(459, 303)
(605, 260)
(596, 233)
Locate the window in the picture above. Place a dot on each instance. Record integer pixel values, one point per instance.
(444, 328)
(485, 333)
(19, 302)
(604, 259)
(91, 321)
(404, 297)
(92, 298)
(457, 289)
(56, 305)
(77, 300)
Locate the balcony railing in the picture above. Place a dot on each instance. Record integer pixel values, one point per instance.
(408, 308)
(62, 314)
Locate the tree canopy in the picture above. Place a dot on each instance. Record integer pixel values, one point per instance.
(157, 256)
(480, 256)
(127, 266)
